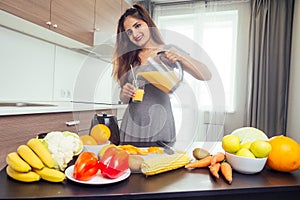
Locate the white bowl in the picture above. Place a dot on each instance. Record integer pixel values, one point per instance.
(95, 148)
(246, 165)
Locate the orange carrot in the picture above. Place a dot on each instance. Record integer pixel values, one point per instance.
(214, 169)
(226, 170)
(218, 157)
(205, 162)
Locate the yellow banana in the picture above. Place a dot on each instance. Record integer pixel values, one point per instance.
(43, 153)
(17, 163)
(30, 157)
(51, 175)
(22, 176)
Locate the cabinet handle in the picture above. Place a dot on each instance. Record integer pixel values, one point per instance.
(72, 123)
(48, 23)
(55, 25)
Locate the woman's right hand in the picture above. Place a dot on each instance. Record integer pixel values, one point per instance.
(127, 92)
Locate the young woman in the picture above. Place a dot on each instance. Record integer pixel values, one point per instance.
(138, 39)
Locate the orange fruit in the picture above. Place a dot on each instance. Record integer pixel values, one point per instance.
(101, 133)
(285, 154)
(88, 140)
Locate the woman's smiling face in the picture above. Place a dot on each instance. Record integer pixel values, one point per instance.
(137, 31)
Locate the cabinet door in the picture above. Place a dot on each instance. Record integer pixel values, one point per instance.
(74, 18)
(107, 15)
(34, 11)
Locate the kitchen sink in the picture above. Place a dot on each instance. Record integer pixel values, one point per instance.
(23, 104)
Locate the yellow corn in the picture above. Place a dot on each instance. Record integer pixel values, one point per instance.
(164, 163)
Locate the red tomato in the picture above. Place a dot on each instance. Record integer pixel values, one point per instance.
(86, 166)
(114, 162)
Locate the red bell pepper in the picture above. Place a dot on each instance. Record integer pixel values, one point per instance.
(113, 163)
(86, 166)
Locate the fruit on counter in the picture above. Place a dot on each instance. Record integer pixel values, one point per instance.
(135, 162)
(249, 134)
(243, 152)
(200, 153)
(164, 163)
(88, 140)
(63, 146)
(17, 163)
(41, 151)
(231, 143)
(101, 152)
(131, 149)
(22, 176)
(114, 162)
(30, 157)
(101, 133)
(86, 166)
(285, 154)
(247, 142)
(51, 175)
(260, 148)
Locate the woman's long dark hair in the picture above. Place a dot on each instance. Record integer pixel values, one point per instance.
(126, 52)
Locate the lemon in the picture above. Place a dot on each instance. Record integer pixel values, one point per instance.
(231, 143)
(250, 134)
(261, 148)
(104, 149)
(246, 145)
(245, 153)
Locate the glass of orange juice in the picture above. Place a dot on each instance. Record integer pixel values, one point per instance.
(139, 92)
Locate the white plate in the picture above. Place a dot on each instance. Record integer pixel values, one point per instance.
(98, 179)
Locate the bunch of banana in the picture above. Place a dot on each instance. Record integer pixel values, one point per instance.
(32, 162)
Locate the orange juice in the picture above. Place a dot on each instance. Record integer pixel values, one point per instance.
(139, 94)
(164, 81)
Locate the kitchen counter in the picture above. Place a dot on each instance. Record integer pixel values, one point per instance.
(177, 184)
(52, 107)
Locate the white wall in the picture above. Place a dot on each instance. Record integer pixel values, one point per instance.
(293, 126)
(35, 70)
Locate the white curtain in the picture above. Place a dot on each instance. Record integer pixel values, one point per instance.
(216, 33)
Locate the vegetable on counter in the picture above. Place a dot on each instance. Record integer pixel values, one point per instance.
(86, 166)
(164, 163)
(114, 162)
(204, 162)
(62, 146)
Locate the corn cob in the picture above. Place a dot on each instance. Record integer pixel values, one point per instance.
(43, 153)
(22, 176)
(30, 157)
(51, 175)
(164, 163)
(17, 163)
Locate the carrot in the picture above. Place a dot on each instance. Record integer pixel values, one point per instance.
(214, 169)
(226, 170)
(205, 162)
(218, 157)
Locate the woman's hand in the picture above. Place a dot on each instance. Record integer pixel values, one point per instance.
(194, 67)
(127, 91)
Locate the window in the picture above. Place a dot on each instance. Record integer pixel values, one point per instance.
(215, 29)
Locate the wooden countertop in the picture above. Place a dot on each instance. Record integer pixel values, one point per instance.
(177, 184)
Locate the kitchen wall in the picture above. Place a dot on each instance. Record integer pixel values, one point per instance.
(35, 70)
(293, 126)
